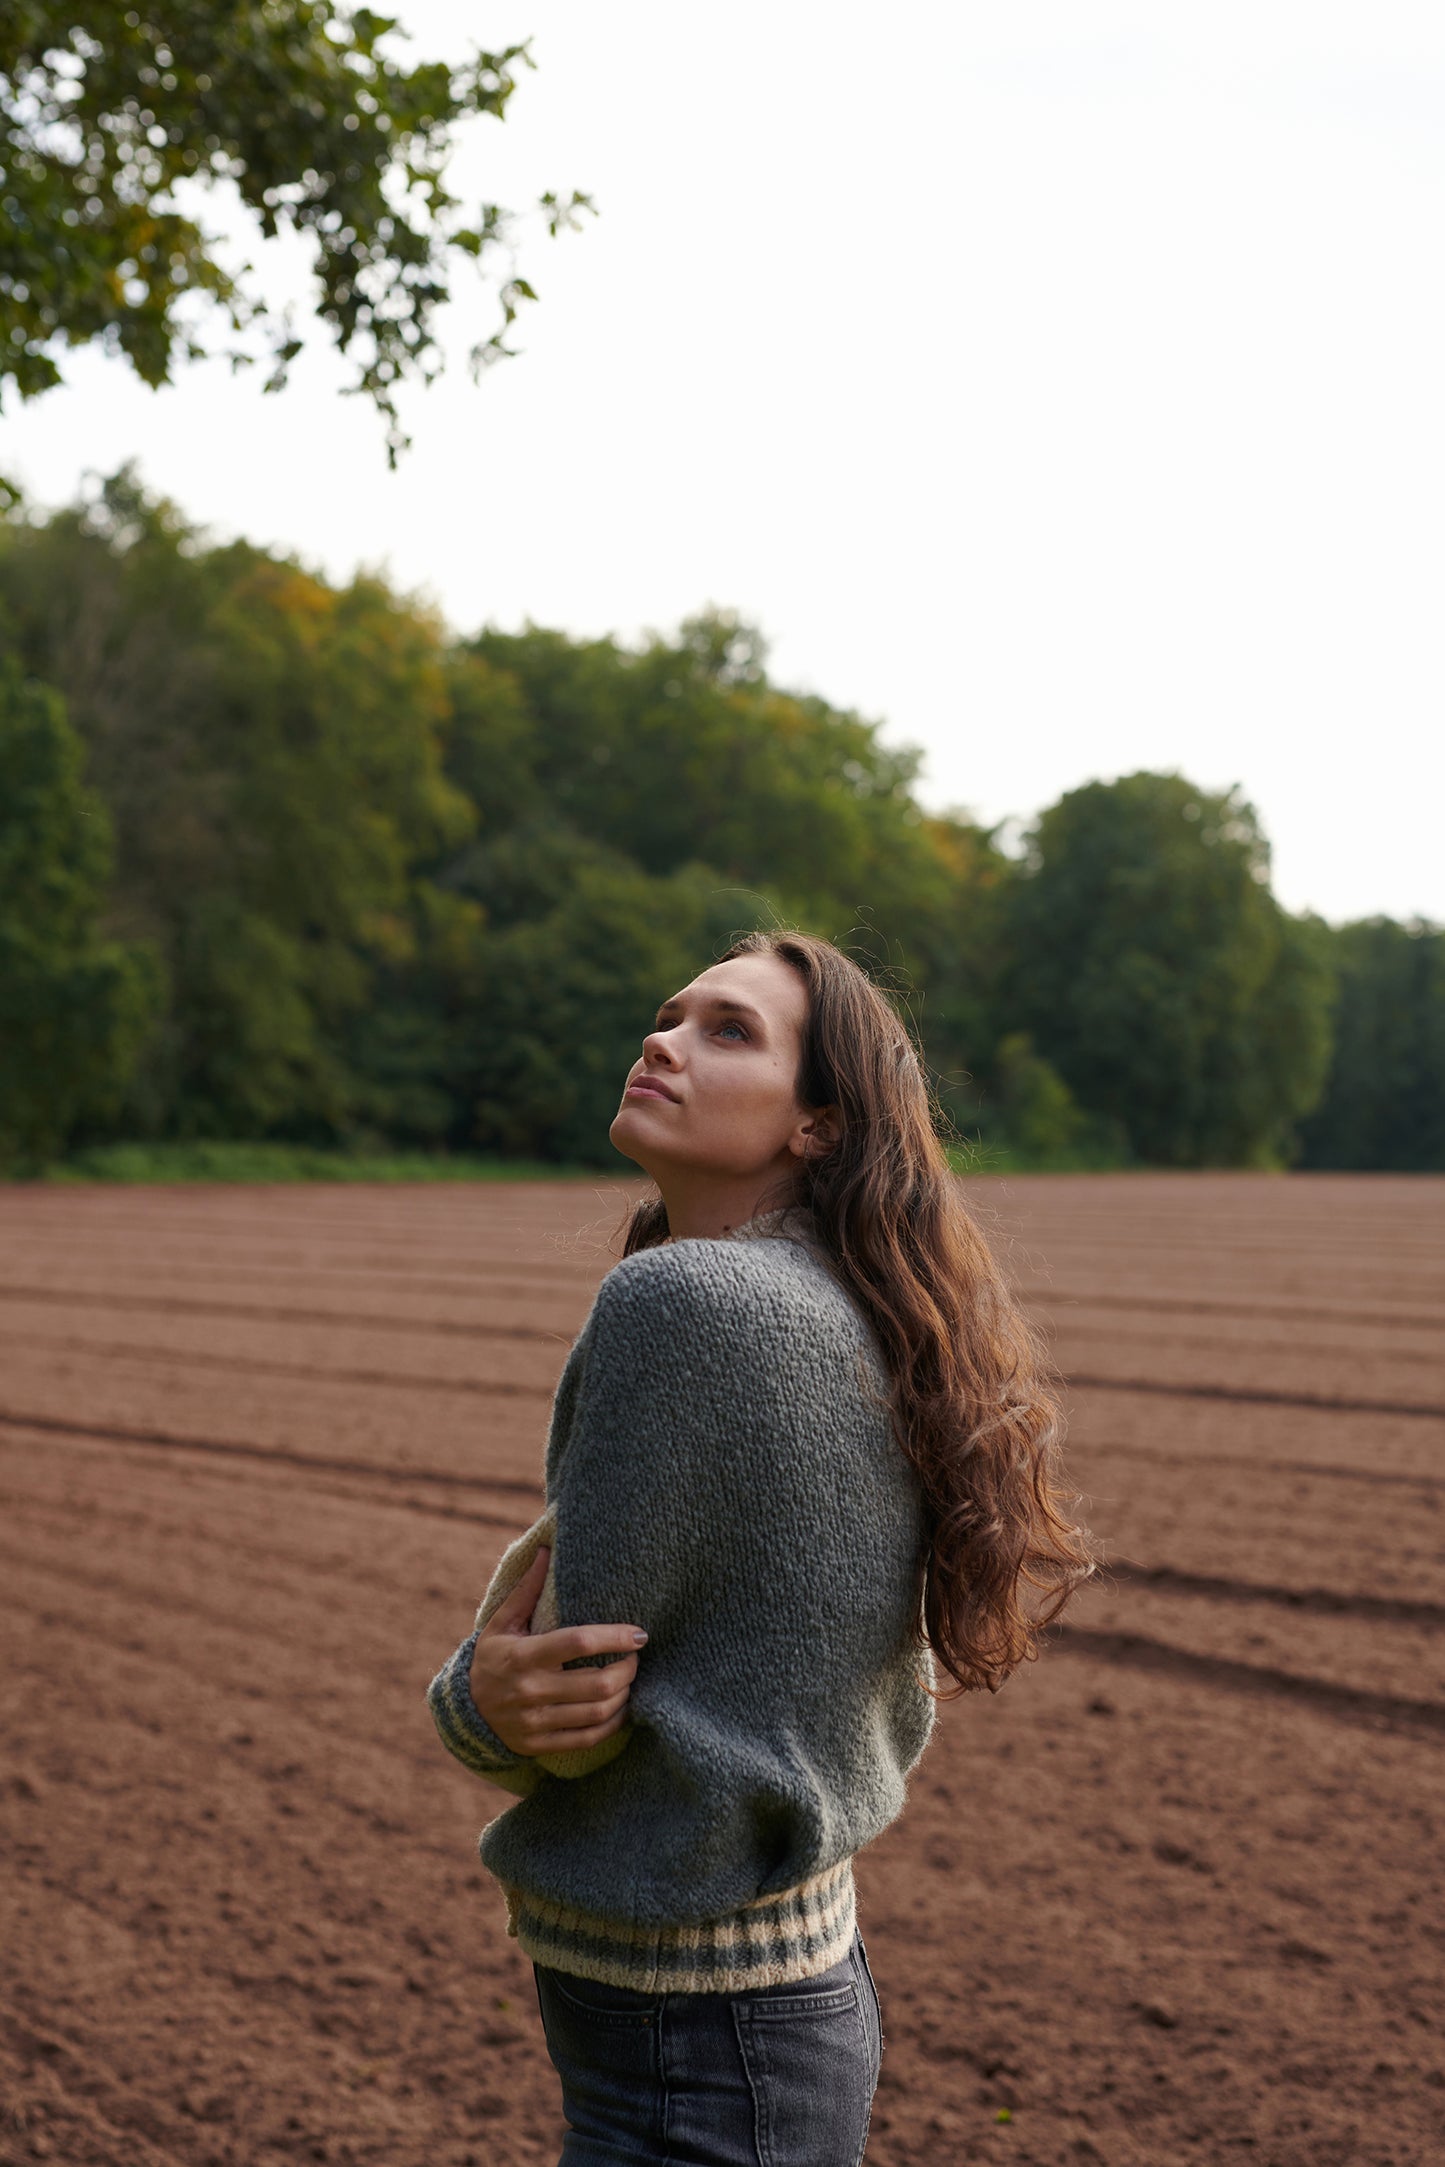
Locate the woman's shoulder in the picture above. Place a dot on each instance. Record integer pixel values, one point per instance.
(702, 1275)
(778, 1279)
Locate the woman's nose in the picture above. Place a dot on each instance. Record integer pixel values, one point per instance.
(656, 1048)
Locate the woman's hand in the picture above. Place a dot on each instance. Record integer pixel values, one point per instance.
(519, 1686)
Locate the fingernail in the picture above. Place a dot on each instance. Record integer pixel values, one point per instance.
(639, 1636)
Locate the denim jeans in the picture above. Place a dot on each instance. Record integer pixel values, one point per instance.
(779, 2076)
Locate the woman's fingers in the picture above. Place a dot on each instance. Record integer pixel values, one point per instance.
(563, 1714)
(566, 1642)
(542, 1685)
(576, 1737)
(520, 1685)
(511, 1616)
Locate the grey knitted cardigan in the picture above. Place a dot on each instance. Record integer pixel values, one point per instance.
(720, 1469)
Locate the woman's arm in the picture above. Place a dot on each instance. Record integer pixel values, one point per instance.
(518, 1691)
(678, 1487)
(657, 1486)
(726, 1481)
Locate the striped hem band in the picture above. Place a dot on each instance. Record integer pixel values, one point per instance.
(769, 1942)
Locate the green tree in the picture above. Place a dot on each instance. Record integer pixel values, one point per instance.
(269, 749)
(74, 1006)
(117, 125)
(1384, 1103)
(1157, 974)
(1031, 1110)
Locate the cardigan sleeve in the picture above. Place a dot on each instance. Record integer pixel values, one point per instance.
(465, 1731)
(658, 1369)
(690, 1483)
(606, 1485)
(681, 1505)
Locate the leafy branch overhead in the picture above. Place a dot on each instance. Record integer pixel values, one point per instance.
(116, 124)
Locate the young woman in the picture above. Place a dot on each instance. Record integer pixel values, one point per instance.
(803, 1450)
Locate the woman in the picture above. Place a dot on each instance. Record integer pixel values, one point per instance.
(802, 1450)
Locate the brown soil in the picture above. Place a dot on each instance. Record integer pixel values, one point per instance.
(1173, 1896)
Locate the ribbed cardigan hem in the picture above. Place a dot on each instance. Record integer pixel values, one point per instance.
(768, 1942)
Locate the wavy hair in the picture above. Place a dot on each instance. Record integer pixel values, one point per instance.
(974, 1402)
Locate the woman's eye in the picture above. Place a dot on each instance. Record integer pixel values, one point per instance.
(668, 1023)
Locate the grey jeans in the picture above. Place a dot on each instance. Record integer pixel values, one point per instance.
(779, 2076)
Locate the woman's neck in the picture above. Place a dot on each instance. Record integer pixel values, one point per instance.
(714, 1217)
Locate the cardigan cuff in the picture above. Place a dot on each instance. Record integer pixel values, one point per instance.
(463, 1729)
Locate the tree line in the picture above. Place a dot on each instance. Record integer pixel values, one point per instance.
(281, 859)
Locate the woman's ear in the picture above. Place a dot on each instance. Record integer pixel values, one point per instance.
(817, 1132)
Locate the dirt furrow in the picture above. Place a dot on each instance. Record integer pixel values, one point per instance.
(271, 1314)
(1351, 1704)
(310, 1462)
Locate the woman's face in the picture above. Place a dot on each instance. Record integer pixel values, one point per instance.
(713, 1090)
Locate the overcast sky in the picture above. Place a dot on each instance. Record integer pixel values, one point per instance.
(1062, 385)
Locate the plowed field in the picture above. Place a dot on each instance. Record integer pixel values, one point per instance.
(1175, 1895)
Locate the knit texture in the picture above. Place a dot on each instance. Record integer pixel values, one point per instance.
(720, 1469)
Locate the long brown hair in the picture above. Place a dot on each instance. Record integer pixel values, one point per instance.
(974, 1404)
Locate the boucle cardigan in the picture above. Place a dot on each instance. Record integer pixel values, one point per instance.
(721, 1470)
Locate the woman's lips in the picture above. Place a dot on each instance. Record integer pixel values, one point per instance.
(647, 1091)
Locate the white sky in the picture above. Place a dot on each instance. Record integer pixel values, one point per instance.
(1063, 384)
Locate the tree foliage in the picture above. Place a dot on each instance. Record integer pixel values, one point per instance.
(1032, 1112)
(1384, 1101)
(119, 126)
(369, 884)
(370, 856)
(267, 747)
(1157, 973)
(74, 1007)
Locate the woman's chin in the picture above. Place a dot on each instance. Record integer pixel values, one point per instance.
(627, 1135)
